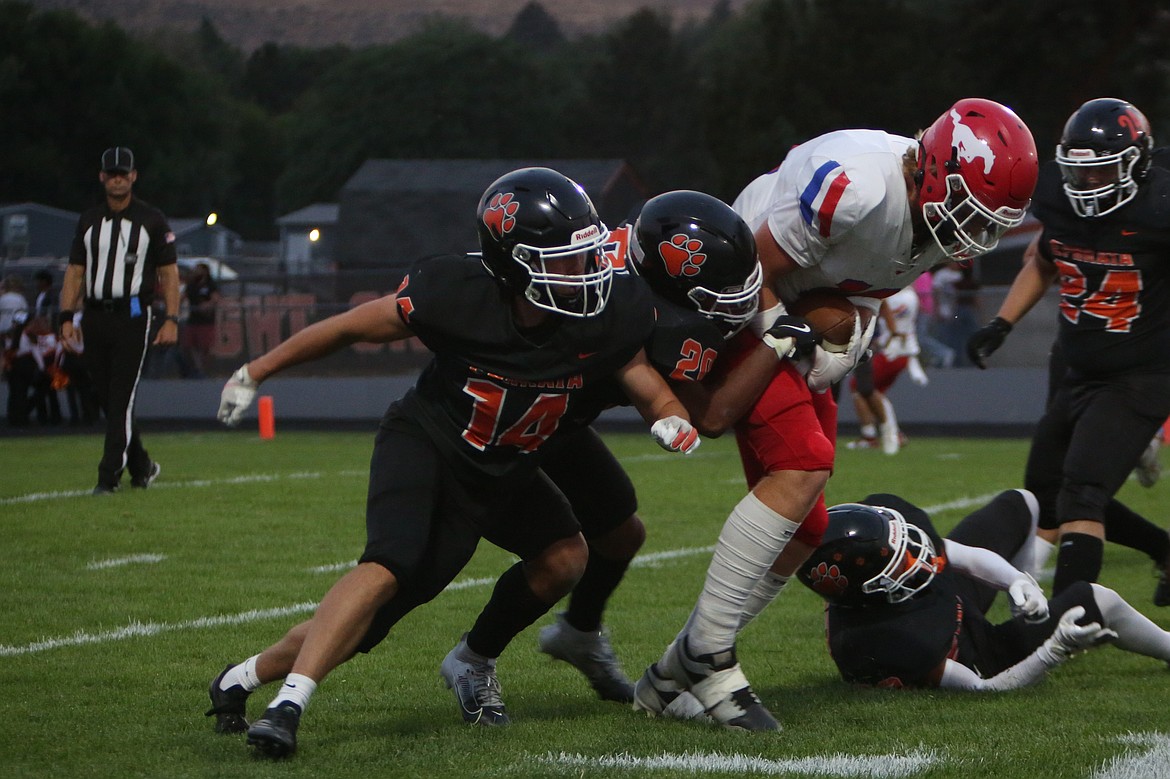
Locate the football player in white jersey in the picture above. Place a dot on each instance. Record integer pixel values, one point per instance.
(864, 212)
(897, 351)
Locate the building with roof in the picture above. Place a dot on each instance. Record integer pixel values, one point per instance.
(308, 237)
(35, 230)
(391, 212)
(204, 236)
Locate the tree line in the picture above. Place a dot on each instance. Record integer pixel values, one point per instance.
(705, 105)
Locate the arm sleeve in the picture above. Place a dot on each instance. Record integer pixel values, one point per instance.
(983, 565)
(1028, 671)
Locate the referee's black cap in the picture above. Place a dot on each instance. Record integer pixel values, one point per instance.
(118, 158)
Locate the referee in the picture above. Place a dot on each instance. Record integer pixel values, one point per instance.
(123, 255)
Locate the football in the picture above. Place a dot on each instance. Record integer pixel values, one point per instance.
(829, 313)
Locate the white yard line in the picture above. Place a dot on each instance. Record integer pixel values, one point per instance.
(115, 562)
(146, 629)
(1148, 756)
(839, 765)
(34, 497)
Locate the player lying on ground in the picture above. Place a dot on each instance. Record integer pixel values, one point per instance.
(907, 608)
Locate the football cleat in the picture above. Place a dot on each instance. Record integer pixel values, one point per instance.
(863, 443)
(658, 695)
(719, 684)
(275, 733)
(228, 705)
(148, 479)
(1149, 467)
(475, 686)
(590, 652)
(1162, 589)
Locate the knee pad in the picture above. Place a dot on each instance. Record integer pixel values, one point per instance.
(1081, 501)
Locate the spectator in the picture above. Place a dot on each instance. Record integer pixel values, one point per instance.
(45, 401)
(12, 299)
(934, 353)
(956, 295)
(21, 366)
(45, 303)
(84, 408)
(198, 336)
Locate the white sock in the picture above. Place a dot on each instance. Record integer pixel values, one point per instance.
(766, 591)
(297, 689)
(1025, 557)
(891, 417)
(751, 539)
(868, 431)
(243, 674)
(1135, 633)
(1043, 550)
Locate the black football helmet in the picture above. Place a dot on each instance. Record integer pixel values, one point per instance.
(869, 554)
(695, 251)
(540, 237)
(1104, 155)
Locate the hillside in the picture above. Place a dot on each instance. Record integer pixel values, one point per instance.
(250, 23)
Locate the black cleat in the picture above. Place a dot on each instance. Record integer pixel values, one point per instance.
(275, 734)
(147, 480)
(1162, 590)
(105, 489)
(228, 705)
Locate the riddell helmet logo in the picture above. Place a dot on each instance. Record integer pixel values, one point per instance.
(588, 234)
(500, 214)
(682, 255)
(968, 144)
(828, 579)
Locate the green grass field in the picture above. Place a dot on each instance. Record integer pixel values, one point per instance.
(116, 612)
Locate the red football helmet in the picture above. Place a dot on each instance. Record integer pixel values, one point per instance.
(977, 167)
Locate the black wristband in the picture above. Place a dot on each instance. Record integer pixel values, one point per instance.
(172, 318)
(1001, 324)
(65, 316)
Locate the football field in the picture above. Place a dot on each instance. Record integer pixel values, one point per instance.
(116, 612)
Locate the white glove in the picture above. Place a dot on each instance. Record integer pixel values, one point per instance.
(764, 318)
(828, 368)
(1027, 599)
(916, 373)
(237, 395)
(675, 434)
(1070, 638)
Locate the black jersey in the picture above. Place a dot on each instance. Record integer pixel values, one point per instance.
(1114, 276)
(902, 645)
(122, 251)
(493, 393)
(683, 345)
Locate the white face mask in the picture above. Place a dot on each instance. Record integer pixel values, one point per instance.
(1095, 184)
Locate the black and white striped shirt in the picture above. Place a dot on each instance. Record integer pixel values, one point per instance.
(122, 251)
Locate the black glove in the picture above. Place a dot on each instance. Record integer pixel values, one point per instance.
(792, 337)
(984, 341)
